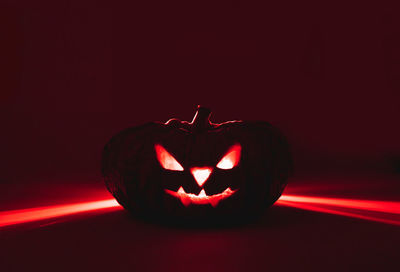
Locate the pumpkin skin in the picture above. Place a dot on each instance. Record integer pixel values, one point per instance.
(137, 178)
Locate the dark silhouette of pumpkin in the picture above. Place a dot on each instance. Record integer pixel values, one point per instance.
(198, 170)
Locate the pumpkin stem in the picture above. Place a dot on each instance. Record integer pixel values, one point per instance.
(201, 119)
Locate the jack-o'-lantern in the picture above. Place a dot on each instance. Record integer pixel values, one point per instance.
(197, 170)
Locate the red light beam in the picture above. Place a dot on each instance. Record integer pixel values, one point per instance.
(380, 211)
(14, 217)
(370, 205)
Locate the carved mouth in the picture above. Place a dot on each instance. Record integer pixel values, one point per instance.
(201, 198)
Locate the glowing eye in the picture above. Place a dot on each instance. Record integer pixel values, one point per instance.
(231, 158)
(166, 160)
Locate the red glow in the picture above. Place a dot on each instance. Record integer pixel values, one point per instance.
(166, 160)
(379, 211)
(201, 174)
(370, 205)
(231, 158)
(14, 217)
(201, 198)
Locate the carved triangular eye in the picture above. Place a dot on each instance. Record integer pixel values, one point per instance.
(166, 160)
(231, 158)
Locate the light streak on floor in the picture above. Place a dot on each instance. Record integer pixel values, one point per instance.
(14, 217)
(380, 211)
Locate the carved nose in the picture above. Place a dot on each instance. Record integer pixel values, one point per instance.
(201, 174)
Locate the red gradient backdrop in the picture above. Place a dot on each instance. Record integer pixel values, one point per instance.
(79, 71)
(74, 73)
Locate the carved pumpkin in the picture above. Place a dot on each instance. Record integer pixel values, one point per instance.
(198, 170)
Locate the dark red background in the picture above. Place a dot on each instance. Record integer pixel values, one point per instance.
(73, 73)
(76, 72)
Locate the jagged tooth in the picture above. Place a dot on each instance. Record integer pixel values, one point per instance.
(227, 191)
(202, 193)
(181, 191)
(185, 200)
(214, 201)
(183, 196)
